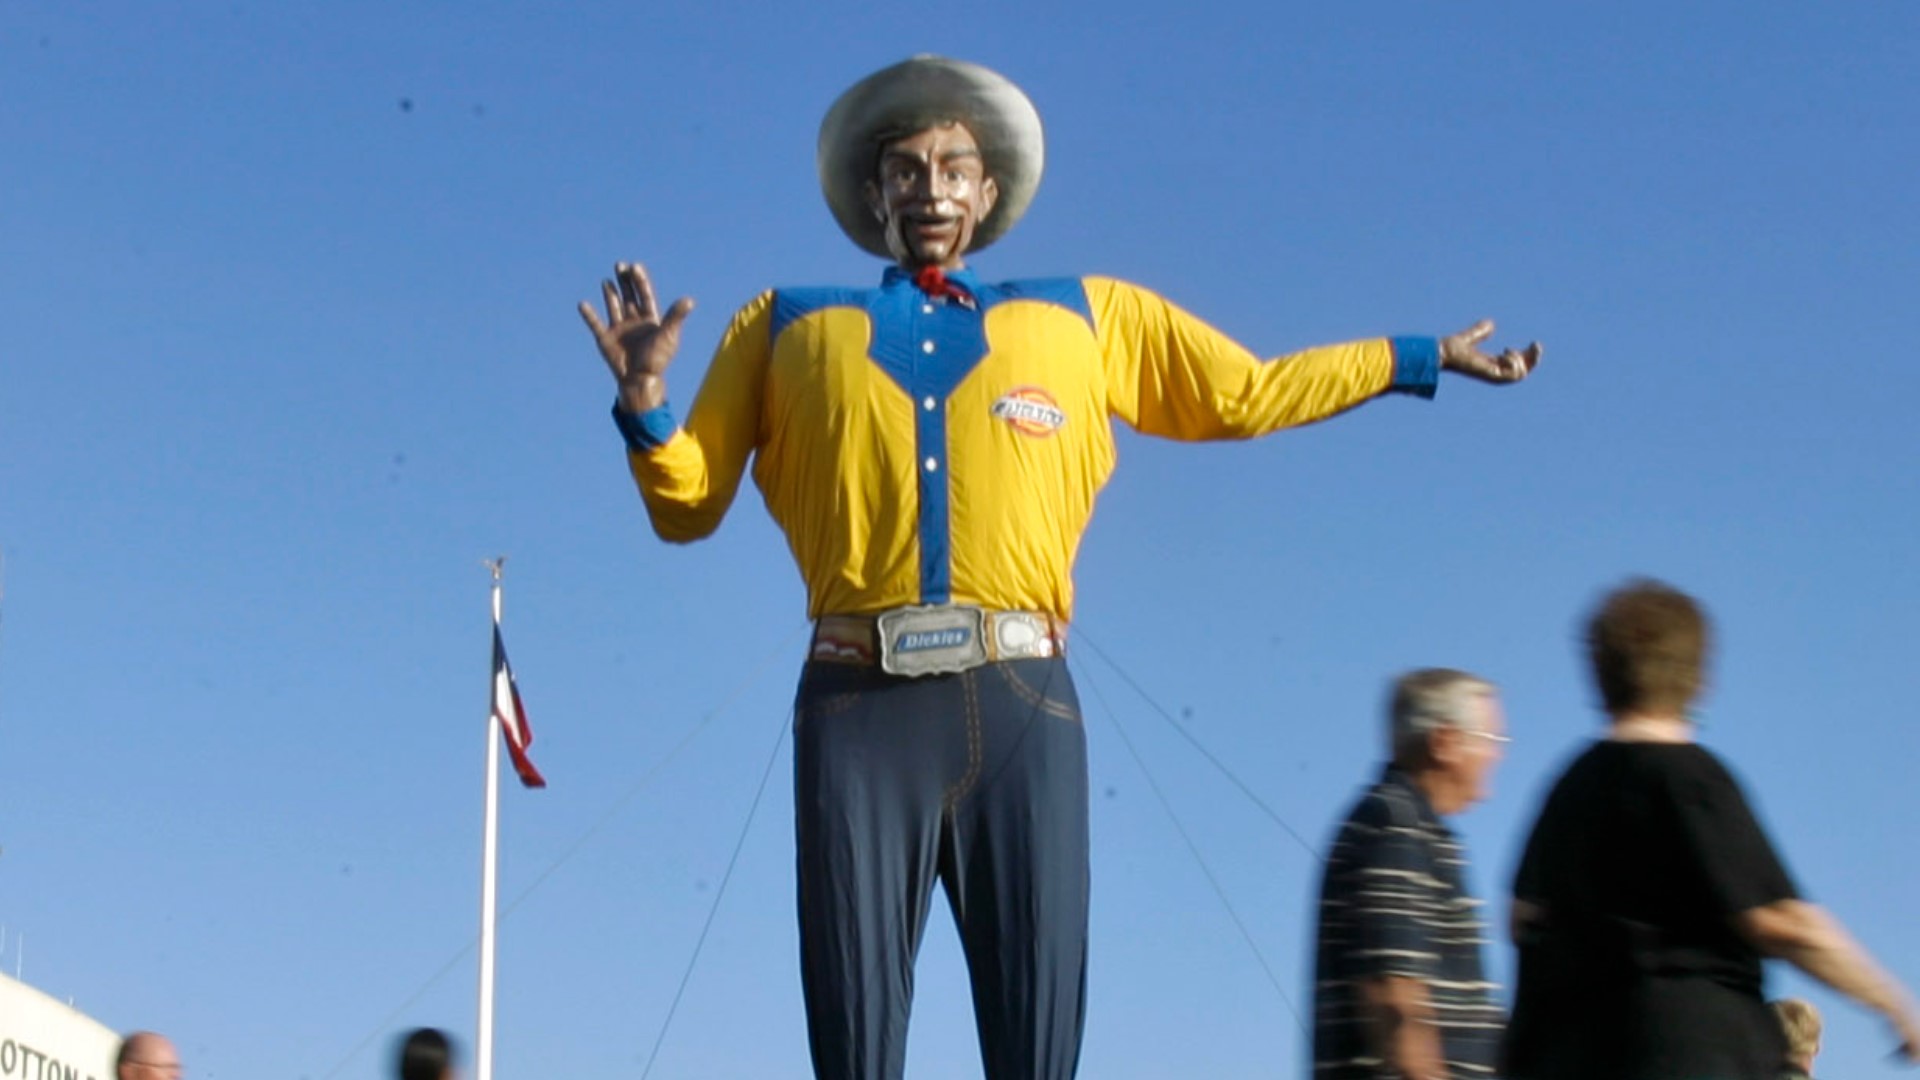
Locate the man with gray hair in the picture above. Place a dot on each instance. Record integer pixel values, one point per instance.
(1399, 989)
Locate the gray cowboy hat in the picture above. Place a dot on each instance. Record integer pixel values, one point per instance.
(908, 97)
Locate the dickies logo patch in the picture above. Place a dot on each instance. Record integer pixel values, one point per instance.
(1030, 410)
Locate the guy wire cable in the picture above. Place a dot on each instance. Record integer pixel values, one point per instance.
(1080, 634)
(706, 720)
(753, 678)
(1186, 837)
(719, 893)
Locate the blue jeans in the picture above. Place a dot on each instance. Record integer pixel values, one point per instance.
(977, 780)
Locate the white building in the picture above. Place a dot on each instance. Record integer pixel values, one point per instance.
(43, 1039)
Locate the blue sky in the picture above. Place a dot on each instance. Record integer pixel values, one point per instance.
(287, 346)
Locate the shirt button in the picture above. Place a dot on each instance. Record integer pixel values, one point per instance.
(926, 309)
(931, 404)
(933, 464)
(926, 346)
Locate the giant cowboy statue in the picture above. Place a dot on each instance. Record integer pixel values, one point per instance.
(932, 448)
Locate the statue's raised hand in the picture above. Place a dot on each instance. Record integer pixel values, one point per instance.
(636, 341)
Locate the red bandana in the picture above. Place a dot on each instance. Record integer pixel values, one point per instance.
(933, 281)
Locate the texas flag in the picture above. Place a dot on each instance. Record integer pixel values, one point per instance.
(513, 718)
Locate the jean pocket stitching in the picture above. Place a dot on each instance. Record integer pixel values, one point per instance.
(964, 785)
(1035, 698)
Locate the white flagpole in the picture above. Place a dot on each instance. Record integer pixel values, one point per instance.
(483, 1033)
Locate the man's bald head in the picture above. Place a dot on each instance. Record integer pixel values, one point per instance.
(146, 1055)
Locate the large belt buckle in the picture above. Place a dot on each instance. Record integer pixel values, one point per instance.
(1022, 635)
(937, 639)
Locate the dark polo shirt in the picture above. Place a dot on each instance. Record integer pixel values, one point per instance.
(1394, 902)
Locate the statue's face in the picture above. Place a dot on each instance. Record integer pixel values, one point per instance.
(930, 192)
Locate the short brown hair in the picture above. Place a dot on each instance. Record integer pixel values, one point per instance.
(1648, 645)
(1801, 1023)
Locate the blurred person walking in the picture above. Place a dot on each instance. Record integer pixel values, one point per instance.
(1399, 987)
(1649, 894)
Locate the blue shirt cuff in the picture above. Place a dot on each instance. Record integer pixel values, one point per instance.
(644, 431)
(1416, 365)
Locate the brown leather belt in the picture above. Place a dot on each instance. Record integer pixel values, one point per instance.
(1010, 635)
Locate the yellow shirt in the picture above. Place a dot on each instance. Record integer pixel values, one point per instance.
(923, 450)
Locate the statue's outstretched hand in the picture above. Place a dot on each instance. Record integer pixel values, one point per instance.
(1462, 353)
(1906, 1028)
(636, 341)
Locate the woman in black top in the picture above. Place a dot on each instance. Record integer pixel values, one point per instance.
(1648, 893)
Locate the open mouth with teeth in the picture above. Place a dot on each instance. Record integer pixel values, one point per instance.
(931, 235)
(925, 224)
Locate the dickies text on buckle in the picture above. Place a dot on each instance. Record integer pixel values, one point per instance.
(937, 639)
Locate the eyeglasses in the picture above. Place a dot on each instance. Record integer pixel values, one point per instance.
(1490, 736)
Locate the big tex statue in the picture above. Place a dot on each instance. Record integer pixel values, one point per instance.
(931, 448)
